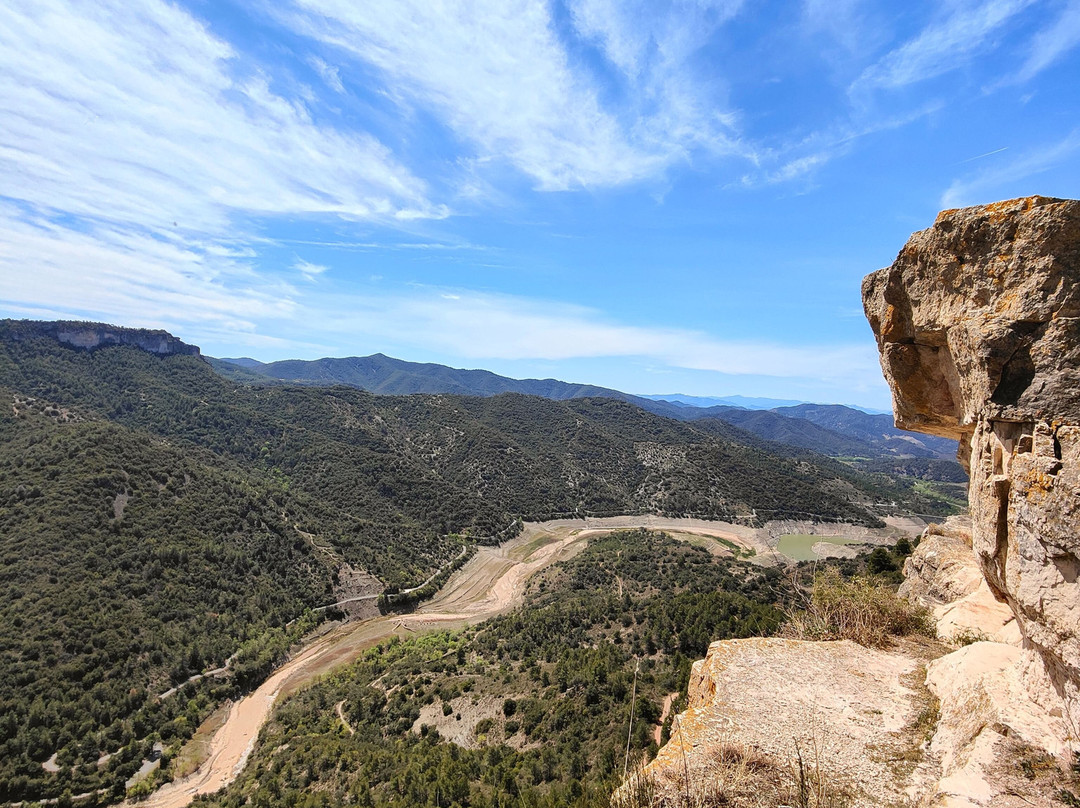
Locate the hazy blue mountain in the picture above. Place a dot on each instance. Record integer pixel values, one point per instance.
(832, 429)
(245, 362)
(877, 430)
(385, 375)
(746, 402)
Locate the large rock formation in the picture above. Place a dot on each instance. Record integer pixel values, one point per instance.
(978, 325)
(943, 576)
(90, 336)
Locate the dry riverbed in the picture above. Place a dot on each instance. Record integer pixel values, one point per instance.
(490, 583)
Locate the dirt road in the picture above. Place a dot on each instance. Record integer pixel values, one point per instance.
(490, 583)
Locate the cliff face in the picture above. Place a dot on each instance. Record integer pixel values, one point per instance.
(89, 336)
(978, 325)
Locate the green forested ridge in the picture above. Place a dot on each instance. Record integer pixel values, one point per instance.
(155, 519)
(833, 430)
(126, 567)
(388, 376)
(411, 468)
(560, 670)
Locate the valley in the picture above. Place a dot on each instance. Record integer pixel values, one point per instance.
(490, 583)
(161, 521)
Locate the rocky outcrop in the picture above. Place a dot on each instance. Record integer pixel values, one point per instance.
(978, 326)
(942, 569)
(89, 336)
(991, 713)
(942, 575)
(852, 714)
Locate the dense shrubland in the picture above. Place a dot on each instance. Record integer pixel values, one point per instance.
(128, 566)
(561, 670)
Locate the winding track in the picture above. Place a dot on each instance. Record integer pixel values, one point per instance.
(490, 583)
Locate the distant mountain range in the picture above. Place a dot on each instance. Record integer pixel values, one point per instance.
(746, 402)
(384, 375)
(830, 429)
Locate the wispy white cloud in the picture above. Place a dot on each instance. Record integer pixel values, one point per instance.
(1053, 42)
(133, 112)
(794, 169)
(205, 295)
(309, 270)
(845, 22)
(1001, 180)
(653, 46)
(498, 75)
(481, 326)
(799, 161)
(961, 30)
(331, 75)
(133, 279)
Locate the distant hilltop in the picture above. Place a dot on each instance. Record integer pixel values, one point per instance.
(89, 336)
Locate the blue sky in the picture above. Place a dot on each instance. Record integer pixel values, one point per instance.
(652, 196)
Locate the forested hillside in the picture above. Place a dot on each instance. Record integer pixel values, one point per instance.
(537, 702)
(386, 375)
(128, 565)
(159, 520)
(833, 430)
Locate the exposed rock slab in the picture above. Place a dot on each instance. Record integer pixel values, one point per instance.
(855, 705)
(989, 697)
(977, 616)
(942, 569)
(978, 327)
(942, 574)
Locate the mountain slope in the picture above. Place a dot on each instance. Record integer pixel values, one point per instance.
(745, 402)
(876, 430)
(832, 430)
(128, 566)
(385, 375)
(158, 518)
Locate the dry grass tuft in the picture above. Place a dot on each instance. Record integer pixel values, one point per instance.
(735, 776)
(724, 775)
(858, 609)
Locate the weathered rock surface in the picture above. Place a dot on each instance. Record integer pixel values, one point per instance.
(990, 707)
(978, 325)
(942, 569)
(943, 576)
(90, 336)
(978, 317)
(851, 711)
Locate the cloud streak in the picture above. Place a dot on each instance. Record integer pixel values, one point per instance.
(945, 44)
(991, 183)
(134, 113)
(1053, 42)
(498, 75)
(481, 326)
(136, 280)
